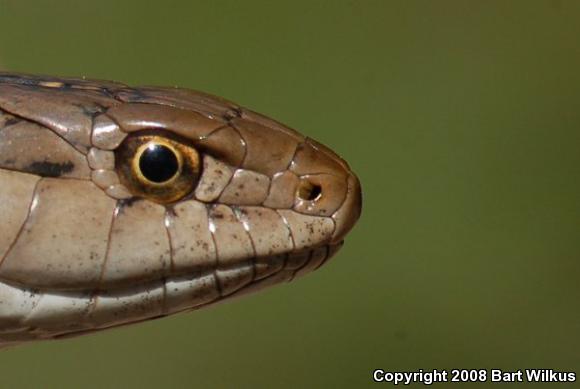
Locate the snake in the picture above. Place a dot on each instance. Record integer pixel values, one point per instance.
(124, 204)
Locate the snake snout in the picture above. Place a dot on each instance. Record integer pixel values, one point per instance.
(327, 187)
(349, 212)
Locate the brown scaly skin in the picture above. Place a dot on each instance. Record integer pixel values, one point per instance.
(91, 241)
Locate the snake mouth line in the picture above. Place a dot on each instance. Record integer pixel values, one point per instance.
(295, 264)
(43, 314)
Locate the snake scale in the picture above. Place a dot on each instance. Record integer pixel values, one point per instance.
(122, 204)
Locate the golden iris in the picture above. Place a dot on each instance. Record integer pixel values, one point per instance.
(158, 168)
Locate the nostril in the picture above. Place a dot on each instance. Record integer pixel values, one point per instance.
(309, 191)
(319, 194)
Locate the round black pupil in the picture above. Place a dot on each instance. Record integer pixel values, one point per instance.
(158, 163)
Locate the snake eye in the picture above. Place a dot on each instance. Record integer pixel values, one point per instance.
(157, 167)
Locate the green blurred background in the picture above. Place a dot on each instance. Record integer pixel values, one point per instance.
(462, 120)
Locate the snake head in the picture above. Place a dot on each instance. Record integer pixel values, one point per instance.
(136, 203)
